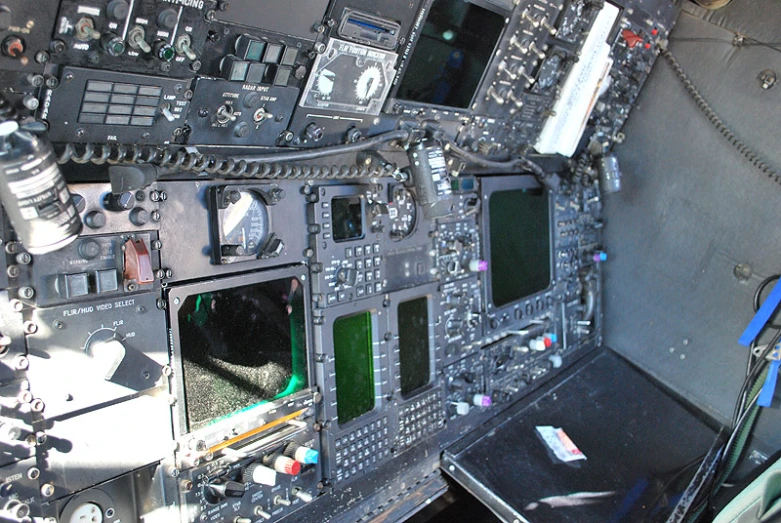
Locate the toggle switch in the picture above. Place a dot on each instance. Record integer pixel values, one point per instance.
(138, 262)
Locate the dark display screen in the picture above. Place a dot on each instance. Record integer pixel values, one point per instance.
(240, 347)
(354, 366)
(454, 49)
(414, 346)
(347, 218)
(519, 228)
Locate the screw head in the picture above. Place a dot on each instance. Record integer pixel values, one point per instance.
(22, 363)
(767, 79)
(57, 46)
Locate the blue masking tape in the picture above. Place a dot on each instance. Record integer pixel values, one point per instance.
(762, 316)
(769, 388)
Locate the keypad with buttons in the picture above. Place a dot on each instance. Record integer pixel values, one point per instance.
(344, 270)
(419, 419)
(362, 448)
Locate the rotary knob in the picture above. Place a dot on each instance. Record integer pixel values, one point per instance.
(119, 202)
(259, 474)
(117, 10)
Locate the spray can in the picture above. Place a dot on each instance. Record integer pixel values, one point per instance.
(34, 193)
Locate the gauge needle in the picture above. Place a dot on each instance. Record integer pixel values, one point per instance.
(244, 238)
(236, 213)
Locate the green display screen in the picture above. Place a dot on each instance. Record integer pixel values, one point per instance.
(241, 346)
(354, 366)
(414, 346)
(519, 228)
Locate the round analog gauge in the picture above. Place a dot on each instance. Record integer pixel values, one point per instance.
(368, 83)
(403, 213)
(245, 224)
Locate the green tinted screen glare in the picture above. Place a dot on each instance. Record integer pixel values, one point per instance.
(414, 347)
(519, 230)
(241, 346)
(354, 366)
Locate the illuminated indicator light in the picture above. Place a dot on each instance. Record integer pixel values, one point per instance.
(654, 31)
(165, 52)
(478, 265)
(648, 45)
(481, 400)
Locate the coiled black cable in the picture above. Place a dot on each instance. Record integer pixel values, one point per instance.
(714, 119)
(182, 160)
(271, 166)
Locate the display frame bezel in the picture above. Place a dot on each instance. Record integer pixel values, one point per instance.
(431, 293)
(517, 309)
(251, 416)
(393, 103)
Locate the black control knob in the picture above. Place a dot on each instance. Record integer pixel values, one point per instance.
(216, 492)
(241, 130)
(118, 10)
(139, 216)
(119, 202)
(167, 19)
(252, 101)
(95, 220)
(89, 249)
(314, 132)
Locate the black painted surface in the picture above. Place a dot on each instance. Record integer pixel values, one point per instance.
(639, 442)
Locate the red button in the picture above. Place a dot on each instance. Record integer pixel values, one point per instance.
(648, 46)
(654, 31)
